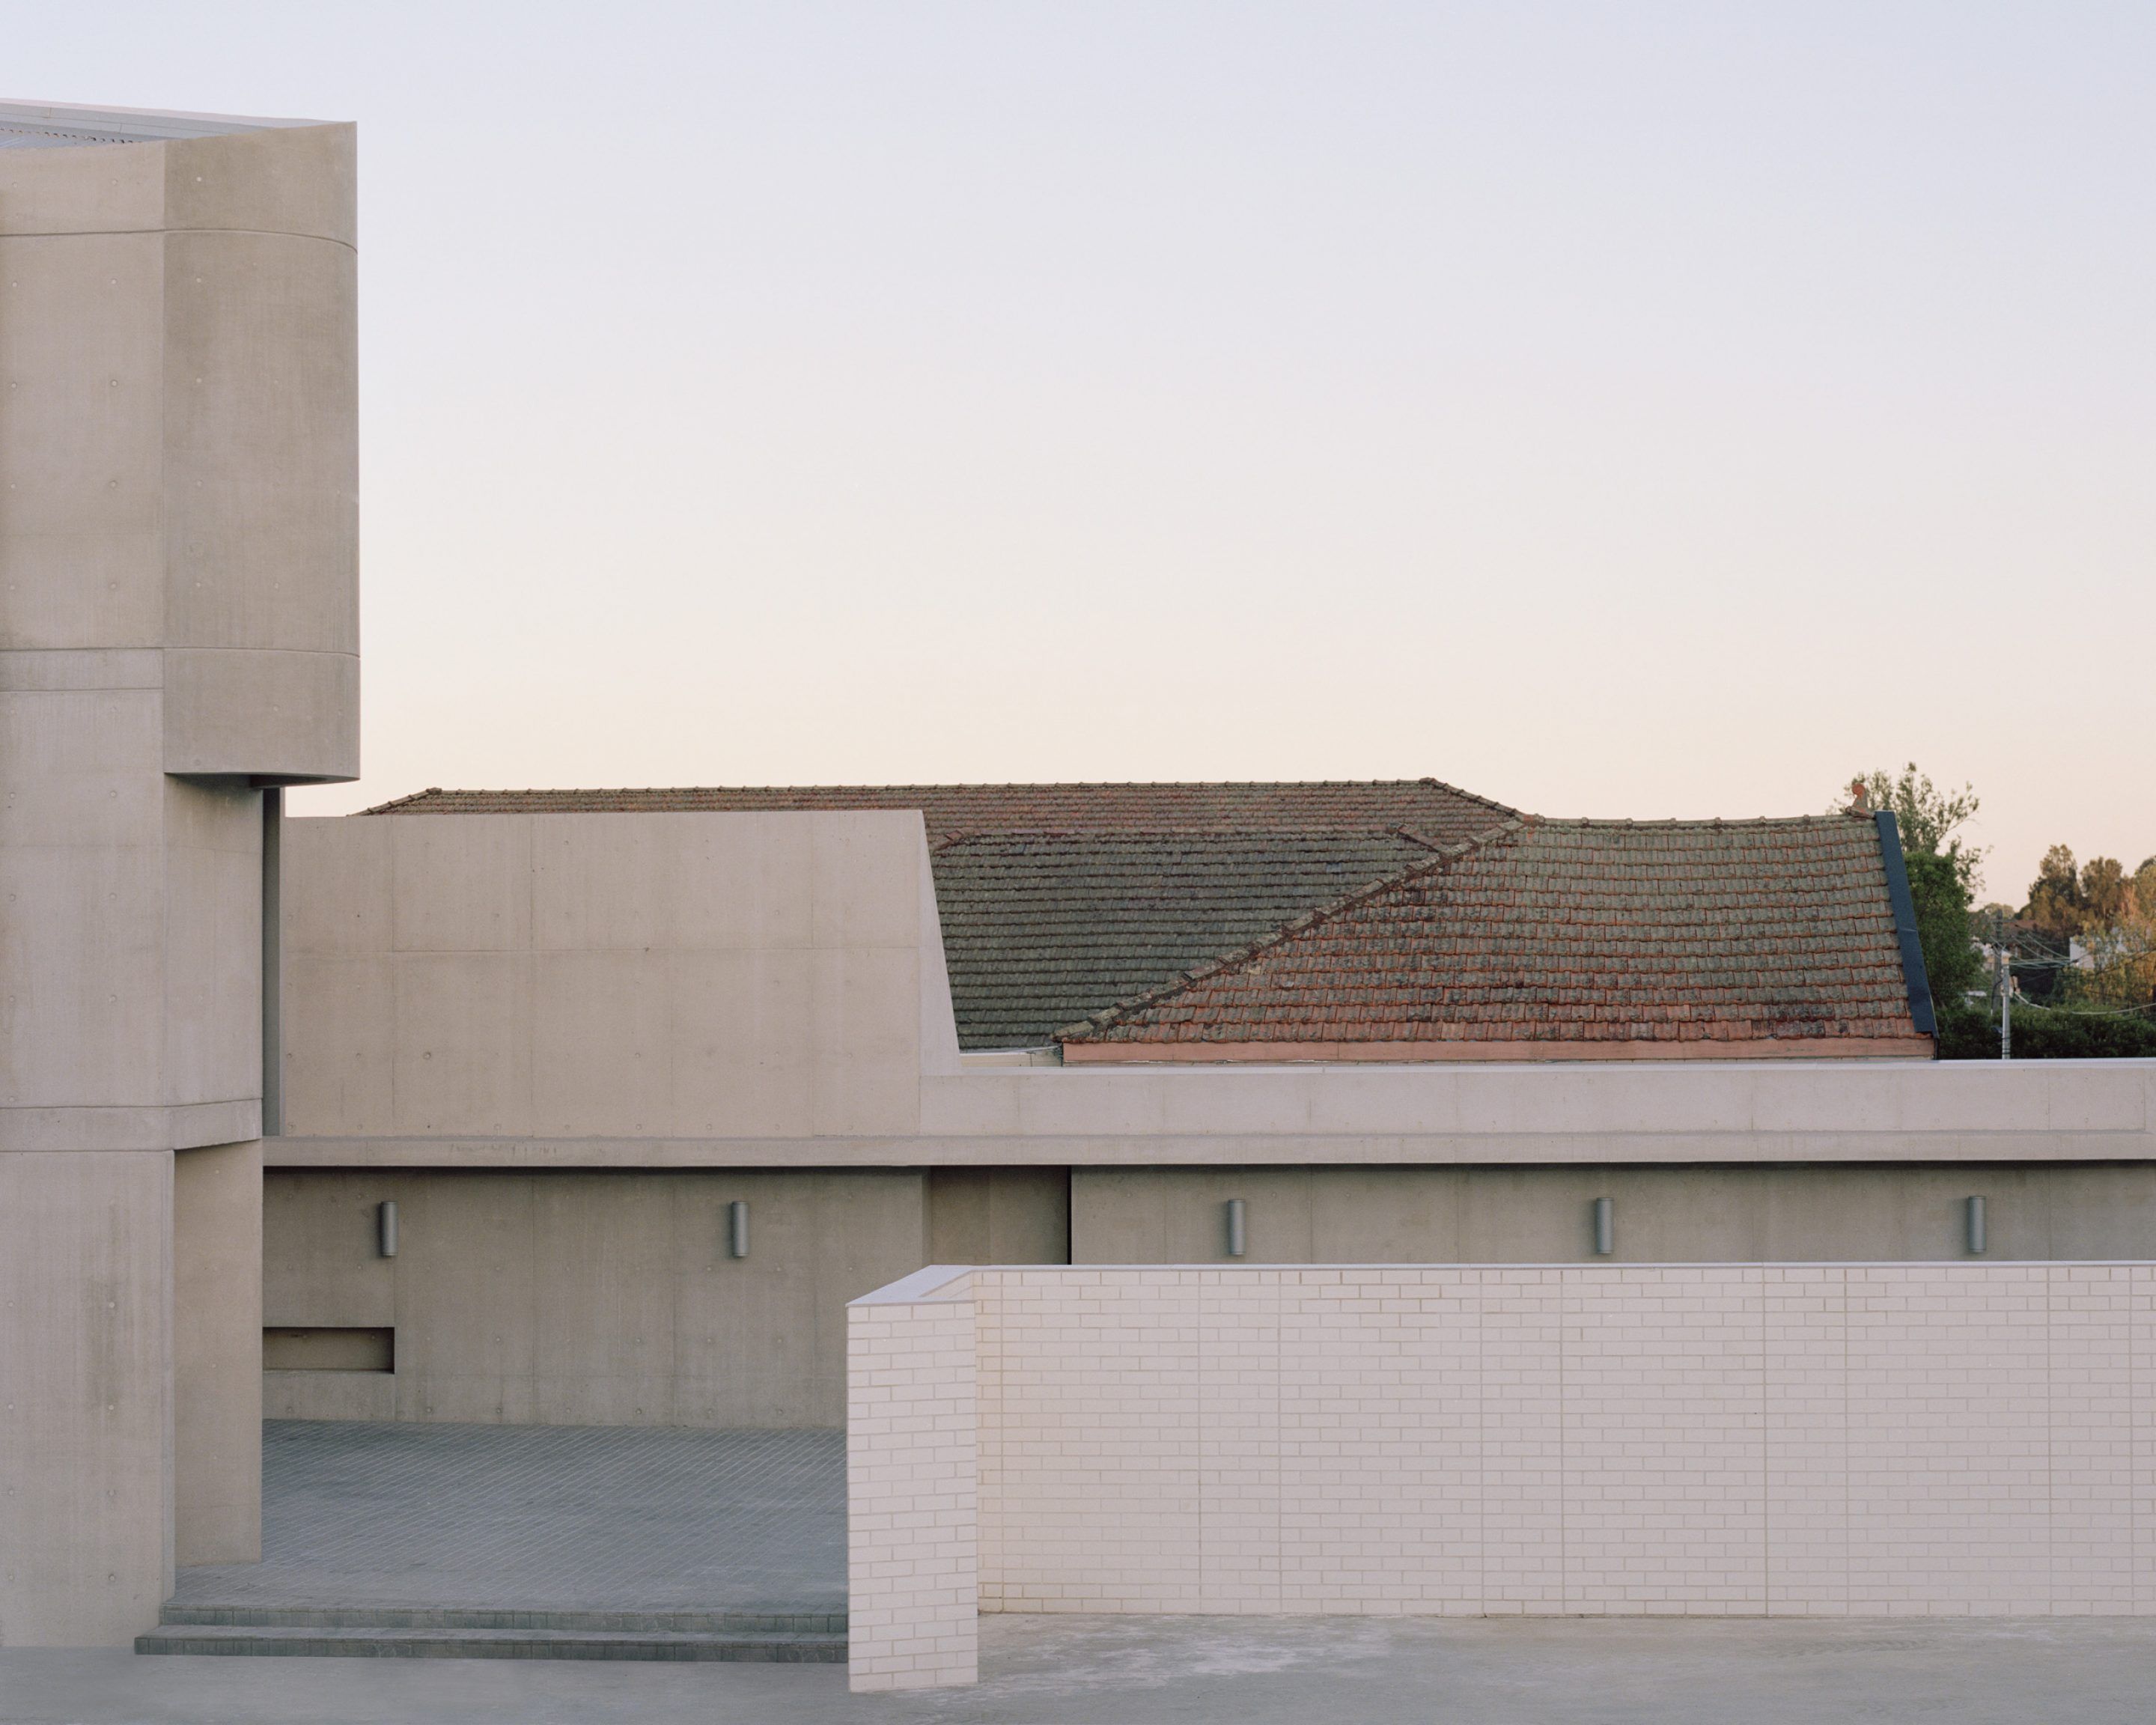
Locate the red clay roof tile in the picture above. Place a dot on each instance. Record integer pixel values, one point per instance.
(1570, 931)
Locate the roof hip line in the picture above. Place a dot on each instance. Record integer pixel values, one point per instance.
(1442, 857)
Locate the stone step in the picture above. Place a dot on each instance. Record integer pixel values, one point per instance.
(805, 1620)
(439, 1641)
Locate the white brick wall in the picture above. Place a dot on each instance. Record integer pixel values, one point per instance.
(912, 1541)
(1871, 1439)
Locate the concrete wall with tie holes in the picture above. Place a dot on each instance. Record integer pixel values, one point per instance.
(1726, 1440)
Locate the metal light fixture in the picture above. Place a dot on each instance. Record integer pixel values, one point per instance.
(1975, 1221)
(737, 1229)
(385, 1227)
(1606, 1226)
(1238, 1240)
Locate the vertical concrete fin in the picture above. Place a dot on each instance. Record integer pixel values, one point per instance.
(273, 963)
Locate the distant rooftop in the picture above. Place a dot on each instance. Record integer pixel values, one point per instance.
(46, 126)
(1425, 809)
(1551, 938)
(1402, 919)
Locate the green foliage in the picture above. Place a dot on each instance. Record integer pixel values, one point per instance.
(1943, 873)
(2122, 969)
(2111, 913)
(1941, 901)
(1928, 818)
(2056, 904)
(1971, 1033)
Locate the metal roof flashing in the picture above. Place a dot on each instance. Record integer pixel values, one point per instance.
(45, 125)
(1905, 922)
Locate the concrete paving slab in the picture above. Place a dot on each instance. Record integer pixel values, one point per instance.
(1101, 1671)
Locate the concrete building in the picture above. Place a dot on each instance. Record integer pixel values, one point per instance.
(178, 637)
(598, 1107)
(564, 1033)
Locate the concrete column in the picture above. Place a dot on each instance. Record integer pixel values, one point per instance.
(216, 1354)
(85, 1416)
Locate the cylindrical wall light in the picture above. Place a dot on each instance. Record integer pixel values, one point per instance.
(737, 1229)
(385, 1227)
(1605, 1227)
(1977, 1241)
(1239, 1239)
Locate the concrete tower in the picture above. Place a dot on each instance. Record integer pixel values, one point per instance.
(178, 637)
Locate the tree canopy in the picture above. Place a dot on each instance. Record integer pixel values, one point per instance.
(1943, 872)
(2111, 913)
(1930, 818)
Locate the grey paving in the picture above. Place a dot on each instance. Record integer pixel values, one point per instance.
(1073, 1671)
(547, 1519)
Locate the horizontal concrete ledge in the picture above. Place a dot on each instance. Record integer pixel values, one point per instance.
(1422, 1051)
(922, 1282)
(1176, 1150)
(27, 1131)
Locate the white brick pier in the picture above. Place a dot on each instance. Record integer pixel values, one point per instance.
(1765, 1439)
(912, 1423)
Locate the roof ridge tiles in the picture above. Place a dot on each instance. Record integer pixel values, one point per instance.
(432, 790)
(1695, 822)
(464, 800)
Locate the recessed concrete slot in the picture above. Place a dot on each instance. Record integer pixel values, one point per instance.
(1238, 1231)
(385, 1227)
(1975, 1223)
(737, 1229)
(329, 1350)
(1606, 1226)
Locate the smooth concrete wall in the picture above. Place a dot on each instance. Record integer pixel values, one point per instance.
(133, 949)
(179, 437)
(85, 1410)
(607, 1296)
(584, 1299)
(1531, 1215)
(216, 1354)
(1675, 1112)
(178, 595)
(582, 976)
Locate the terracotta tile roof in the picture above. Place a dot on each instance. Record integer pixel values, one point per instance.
(1041, 928)
(1439, 811)
(1553, 937)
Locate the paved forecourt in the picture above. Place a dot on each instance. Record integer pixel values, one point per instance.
(1149, 1671)
(531, 1542)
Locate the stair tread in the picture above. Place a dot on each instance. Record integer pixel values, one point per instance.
(257, 1641)
(376, 1632)
(774, 1621)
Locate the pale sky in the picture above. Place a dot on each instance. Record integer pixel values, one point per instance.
(1640, 410)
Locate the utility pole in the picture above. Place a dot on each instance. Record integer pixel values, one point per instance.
(2006, 989)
